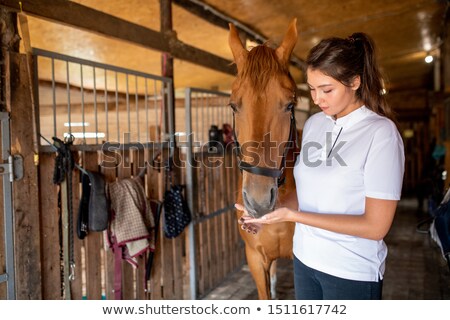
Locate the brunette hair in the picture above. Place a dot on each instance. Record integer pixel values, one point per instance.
(344, 59)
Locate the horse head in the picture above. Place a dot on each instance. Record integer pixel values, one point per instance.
(263, 98)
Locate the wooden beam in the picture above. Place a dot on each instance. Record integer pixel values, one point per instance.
(85, 18)
(202, 12)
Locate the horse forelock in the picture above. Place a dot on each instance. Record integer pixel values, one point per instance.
(260, 66)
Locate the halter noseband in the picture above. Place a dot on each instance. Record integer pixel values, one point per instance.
(263, 171)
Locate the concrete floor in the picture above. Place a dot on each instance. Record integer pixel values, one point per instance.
(415, 268)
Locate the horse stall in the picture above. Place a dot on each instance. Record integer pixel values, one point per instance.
(120, 124)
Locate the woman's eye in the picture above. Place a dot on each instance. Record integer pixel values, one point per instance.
(327, 91)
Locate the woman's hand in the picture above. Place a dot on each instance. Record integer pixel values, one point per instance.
(253, 225)
(277, 216)
(249, 227)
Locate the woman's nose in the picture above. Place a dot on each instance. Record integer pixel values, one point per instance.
(317, 98)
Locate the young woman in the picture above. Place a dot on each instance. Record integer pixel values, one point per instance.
(348, 175)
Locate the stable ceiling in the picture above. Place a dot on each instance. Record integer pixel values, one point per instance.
(404, 31)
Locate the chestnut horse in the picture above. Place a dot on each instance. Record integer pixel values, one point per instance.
(263, 97)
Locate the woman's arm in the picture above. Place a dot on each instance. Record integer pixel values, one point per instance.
(373, 224)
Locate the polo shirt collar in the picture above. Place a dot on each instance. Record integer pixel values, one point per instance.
(350, 119)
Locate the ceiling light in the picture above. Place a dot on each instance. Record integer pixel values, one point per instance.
(408, 133)
(85, 134)
(429, 59)
(76, 124)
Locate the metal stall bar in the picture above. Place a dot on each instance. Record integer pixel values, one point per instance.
(190, 196)
(117, 107)
(59, 56)
(189, 94)
(83, 120)
(121, 124)
(54, 98)
(69, 120)
(136, 101)
(94, 77)
(8, 177)
(146, 109)
(106, 107)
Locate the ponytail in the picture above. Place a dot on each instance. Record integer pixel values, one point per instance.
(372, 91)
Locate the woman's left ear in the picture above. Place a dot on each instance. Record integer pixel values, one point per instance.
(356, 83)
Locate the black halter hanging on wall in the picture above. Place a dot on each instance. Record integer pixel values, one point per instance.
(263, 171)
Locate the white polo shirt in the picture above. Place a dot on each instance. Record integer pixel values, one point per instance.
(364, 157)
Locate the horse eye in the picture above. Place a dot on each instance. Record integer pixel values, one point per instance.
(290, 106)
(233, 106)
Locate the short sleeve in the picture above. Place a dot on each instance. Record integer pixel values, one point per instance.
(385, 166)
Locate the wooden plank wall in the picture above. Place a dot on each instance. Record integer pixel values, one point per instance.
(220, 250)
(94, 278)
(219, 247)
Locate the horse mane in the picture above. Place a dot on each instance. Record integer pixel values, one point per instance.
(260, 66)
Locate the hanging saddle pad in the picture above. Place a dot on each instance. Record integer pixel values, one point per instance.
(94, 206)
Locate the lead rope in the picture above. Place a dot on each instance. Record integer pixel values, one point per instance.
(64, 165)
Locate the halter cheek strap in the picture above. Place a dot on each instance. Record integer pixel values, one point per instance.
(264, 171)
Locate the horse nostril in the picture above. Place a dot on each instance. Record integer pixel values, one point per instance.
(245, 197)
(273, 196)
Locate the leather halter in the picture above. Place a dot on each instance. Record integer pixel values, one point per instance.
(264, 171)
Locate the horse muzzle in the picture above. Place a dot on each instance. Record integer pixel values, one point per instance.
(260, 199)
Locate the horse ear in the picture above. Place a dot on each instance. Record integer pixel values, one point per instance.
(238, 50)
(284, 51)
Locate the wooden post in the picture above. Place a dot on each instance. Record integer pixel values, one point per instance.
(445, 59)
(51, 275)
(110, 173)
(10, 42)
(124, 171)
(25, 191)
(172, 258)
(167, 59)
(93, 243)
(17, 100)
